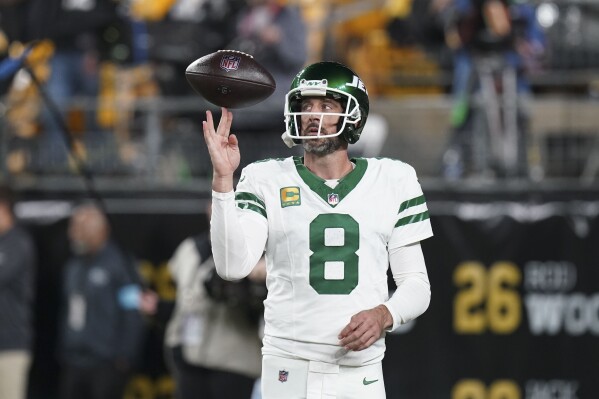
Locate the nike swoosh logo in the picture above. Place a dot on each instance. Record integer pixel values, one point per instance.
(366, 382)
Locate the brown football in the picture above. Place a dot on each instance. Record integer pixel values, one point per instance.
(230, 78)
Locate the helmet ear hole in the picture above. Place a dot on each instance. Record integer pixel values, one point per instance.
(351, 134)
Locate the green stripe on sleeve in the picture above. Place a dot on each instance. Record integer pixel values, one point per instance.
(245, 196)
(419, 217)
(410, 203)
(251, 207)
(245, 200)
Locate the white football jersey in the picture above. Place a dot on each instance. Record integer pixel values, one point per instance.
(327, 250)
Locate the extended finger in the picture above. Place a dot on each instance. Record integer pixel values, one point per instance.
(208, 127)
(209, 135)
(224, 125)
(209, 121)
(229, 120)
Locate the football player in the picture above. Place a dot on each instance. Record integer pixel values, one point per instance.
(331, 227)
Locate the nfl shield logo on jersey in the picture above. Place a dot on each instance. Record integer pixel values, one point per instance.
(333, 199)
(230, 62)
(283, 375)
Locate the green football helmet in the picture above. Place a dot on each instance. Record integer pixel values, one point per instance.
(333, 80)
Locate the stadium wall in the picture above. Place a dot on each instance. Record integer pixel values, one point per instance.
(515, 293)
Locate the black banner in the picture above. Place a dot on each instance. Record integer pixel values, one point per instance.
(515, 305)
(514, 311)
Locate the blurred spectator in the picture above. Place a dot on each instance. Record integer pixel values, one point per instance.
(410, 23)
(17, 270)
(101, 330)
(497, 40)
(19, 95)
(183, 32)
(212, 339)
(11, 28)
(78, 30)
(275, 34)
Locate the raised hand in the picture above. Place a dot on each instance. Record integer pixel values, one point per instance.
(223, 149)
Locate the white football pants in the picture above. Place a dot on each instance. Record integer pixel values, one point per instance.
(301, 379)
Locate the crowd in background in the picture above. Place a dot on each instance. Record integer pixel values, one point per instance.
(116, 53)
(120, 52)
(94, 61)
(113, 71)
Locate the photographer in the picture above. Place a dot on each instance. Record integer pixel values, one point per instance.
(212, 340)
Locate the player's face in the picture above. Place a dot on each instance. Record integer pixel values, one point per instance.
(320, 123)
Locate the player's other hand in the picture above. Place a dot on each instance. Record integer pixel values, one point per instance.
(365, 328)
(223, 149)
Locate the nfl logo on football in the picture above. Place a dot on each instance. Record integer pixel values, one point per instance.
(333, 199)
(230, 62)
(283, 375)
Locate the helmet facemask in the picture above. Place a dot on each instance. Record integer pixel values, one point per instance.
(348, 122)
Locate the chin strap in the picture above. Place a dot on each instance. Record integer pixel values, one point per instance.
(288, 140)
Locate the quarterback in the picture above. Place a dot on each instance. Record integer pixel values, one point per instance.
(330, 228)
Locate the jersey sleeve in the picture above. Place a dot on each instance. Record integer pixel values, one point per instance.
(238, 229)
(413, 294)
(248, 199)
(412, 222)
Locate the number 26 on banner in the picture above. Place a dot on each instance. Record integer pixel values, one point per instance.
(487, 299)
(476, 389)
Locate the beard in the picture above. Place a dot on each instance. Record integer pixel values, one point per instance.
(322, 147)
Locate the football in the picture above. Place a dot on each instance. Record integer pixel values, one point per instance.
(230, 79)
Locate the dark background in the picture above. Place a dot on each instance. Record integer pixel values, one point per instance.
(428, 360)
